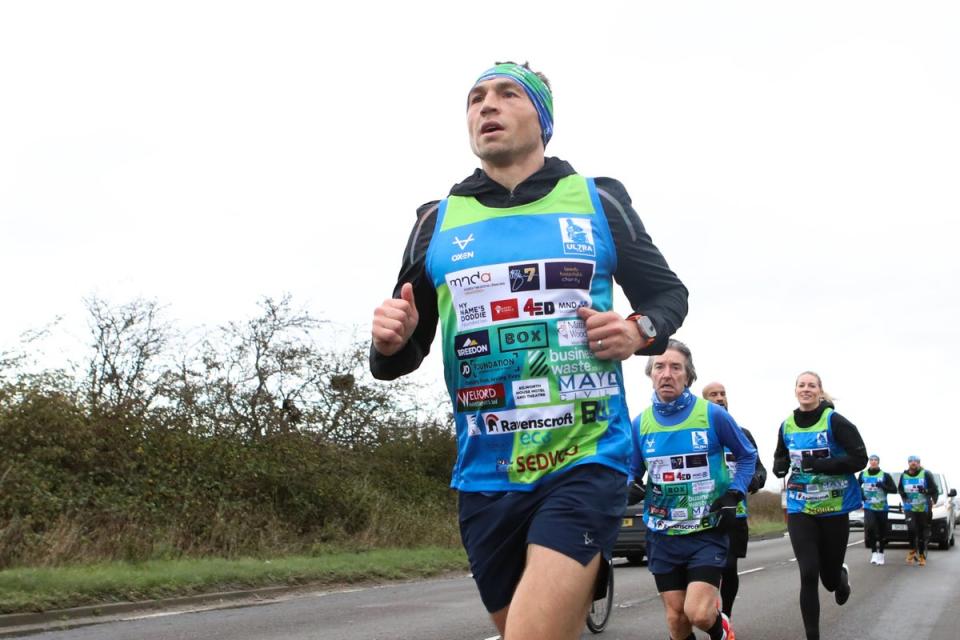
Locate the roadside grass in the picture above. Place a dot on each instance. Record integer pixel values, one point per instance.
(763, 526)
(46, 588)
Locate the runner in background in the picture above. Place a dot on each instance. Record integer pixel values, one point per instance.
(918, 492)
(691, 499)
(739, 531)
(875, 484)
(821, 450)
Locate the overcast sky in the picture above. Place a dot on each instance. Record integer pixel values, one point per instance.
(797, 165)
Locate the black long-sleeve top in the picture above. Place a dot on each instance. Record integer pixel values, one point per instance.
(759, 472)
(845, 434)
(933, 491)
(652, 288)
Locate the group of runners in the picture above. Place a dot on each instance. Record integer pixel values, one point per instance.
(919, 492)
(517, 266)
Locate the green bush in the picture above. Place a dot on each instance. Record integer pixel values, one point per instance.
(122, 488)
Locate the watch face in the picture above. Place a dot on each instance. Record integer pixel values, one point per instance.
(647, 327)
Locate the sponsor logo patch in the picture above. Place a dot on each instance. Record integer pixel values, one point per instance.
(524, 277)
(546, 460)
(534, 391)
(571, 333)
(462, 244)
(699, 440)
(472, 345)
(471, 315)
(505, 309)
(569, 275)
(588, 385)
(706, 486)
(473, 429)
(509, 421)
(483, 370)
(594, 411)
(524, 336)
(577, 234)
(485, 397)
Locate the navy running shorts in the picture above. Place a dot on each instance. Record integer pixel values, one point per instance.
(577, 512)
(676, 561)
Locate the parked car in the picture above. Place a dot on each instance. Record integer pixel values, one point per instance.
(632, 540)
(944, 515)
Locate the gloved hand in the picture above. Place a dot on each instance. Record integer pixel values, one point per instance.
(726, 506)
(758, 480)
(810, 464)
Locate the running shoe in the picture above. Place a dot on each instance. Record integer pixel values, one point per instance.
(880, 559)
(911, 556)
(728, 633)
(923, 559)
(873, 558)
(842, 594)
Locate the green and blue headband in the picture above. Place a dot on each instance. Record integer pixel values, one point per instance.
(536, 89)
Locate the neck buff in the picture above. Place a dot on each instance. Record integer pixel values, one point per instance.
(535, 88)
(676, 406)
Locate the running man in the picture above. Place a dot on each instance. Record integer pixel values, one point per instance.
(875, 484)
(739, 531)
(918, 492)
(691, 500)
(517, 265)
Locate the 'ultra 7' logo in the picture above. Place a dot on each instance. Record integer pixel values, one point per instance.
(699, 440)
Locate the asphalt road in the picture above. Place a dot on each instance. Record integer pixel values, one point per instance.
(892, 601)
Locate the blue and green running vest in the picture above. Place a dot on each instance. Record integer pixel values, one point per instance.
(732, 471)
(814, 493)
(874, 497)
(686, 471)
(529, 397)
(914, 501)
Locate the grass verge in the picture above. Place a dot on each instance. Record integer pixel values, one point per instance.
(764, 527)
(46, 588)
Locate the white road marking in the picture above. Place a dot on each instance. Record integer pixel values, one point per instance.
(743, 573)
(161, 614)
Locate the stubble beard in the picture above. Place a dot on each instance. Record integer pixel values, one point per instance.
(504, 155)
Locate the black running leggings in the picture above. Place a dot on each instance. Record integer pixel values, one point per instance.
(729, 585)
(918, 525)
(875, 528)
(820, 544)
